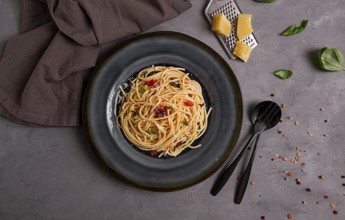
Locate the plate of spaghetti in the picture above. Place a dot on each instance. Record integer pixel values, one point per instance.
(163, 111)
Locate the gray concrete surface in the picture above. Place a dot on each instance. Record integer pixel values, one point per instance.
(50, 173)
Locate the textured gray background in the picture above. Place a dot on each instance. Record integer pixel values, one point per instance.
(50, 173)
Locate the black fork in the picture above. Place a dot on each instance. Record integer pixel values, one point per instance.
(245, 176)
(259, 127)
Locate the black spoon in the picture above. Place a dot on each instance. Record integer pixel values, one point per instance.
(267, 112)
(245, 177)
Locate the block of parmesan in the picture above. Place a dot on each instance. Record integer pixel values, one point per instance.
(221, 25)
(242, 51)
(244, 26)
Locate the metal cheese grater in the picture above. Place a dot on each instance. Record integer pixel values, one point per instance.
(230, 9)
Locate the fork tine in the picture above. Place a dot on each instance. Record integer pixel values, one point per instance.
(265, 111)
(268, 115)
(273, 116)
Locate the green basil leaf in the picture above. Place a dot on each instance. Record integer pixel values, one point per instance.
(319, 54)
(283, 74)
(295, 29)
(185, 123)
(168, 107)
(142, 89)
(331, 59)
(152, 136)
(152, 130)
(265, 1)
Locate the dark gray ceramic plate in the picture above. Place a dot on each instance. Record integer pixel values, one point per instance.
(136, 167)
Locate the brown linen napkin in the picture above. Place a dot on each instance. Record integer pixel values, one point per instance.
(42, 70)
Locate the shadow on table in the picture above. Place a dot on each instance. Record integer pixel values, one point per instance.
(311, 55)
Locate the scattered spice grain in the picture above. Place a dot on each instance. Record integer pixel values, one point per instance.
(333, 206)
(289, 216)
(310, 133)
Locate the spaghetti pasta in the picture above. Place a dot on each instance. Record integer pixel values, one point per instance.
(164, 112)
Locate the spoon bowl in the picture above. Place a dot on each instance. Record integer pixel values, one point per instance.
(259, 110)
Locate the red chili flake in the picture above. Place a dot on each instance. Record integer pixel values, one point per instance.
(298, 182)
(153, 152)
(272, 159)
(188, 103)
(151, 82)
(308, 189)
(317, 202)
(262, 217)
(335, 212)
(161, 111)
(238, 178)
(325, 197)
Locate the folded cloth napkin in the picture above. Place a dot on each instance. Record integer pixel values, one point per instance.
(43, 69)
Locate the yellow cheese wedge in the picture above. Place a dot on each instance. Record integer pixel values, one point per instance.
(242, 51)
(244, 26)
(221, 25)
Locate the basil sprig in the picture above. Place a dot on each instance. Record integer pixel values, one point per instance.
(331, 59)
(295, 29)
(265, 1)
(283, 74)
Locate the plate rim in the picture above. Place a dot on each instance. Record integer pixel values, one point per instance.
(95, 73)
